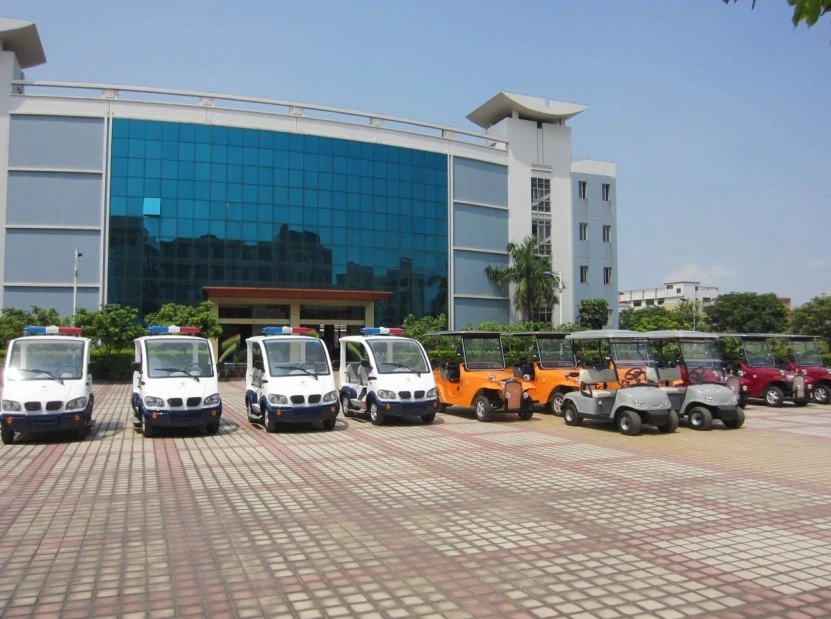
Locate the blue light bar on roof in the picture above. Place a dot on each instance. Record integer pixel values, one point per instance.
(172, 330)
(382, 331)
(52, 330)
(286, 330)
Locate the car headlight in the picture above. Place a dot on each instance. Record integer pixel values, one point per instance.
(212, 400)
(386, 394)
(152, 402)
(76, 403)
(332, 396)
(432, 393)
(277, 400)
(789, 376)
(11, 406)
(740, 372)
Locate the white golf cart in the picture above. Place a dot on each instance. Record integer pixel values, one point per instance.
(288, 379)
(386, 375)
(691, 370)
(47, 384)
(174, 381)
(613, 383)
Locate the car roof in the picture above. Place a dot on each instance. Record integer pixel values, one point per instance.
(363, 338)
(52, 338)
(677, 334)
(173, 337)
(559, 335)
(607, 334)
(291, 338)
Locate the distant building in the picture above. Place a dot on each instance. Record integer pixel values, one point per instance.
(669, 295)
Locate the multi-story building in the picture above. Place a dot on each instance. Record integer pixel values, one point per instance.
(668, 295)
(277, 211)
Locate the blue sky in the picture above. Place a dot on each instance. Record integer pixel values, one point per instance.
(716, 116)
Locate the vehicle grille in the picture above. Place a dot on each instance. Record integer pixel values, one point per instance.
(418, 395)
(404, 395)
(32, 406)
(798, 386)
(194, 401)
(513, 394)
(54, 405)
(297, 399)
(314, 398)
(174, 402)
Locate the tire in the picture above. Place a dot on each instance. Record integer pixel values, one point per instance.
(147, 428)
(428, 419)
(81, 433)
(801, 403)
(822, 394)
(526, 412)
(441, 408)
(329, 424)
(212, 428)
(376, 415)
(570, 414)
(555, 403)
(700, 418)
(671, 424)
(773, 396)
(483, 409)
(742, 399)
(736, 423)
(269, 421)
(7, 435)
(250, 411)
(344, 404)
(629, 423)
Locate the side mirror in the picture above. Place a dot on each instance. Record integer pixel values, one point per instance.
(135, 366)
(258, 365)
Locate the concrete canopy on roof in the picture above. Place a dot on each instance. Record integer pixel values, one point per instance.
(22, 38)
(503, 104)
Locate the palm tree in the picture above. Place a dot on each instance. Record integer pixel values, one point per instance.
(531, 272)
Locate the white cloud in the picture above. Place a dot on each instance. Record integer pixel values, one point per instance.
(708, 276)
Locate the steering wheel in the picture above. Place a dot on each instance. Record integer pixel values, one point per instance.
(191, 367)
(696, 375)
(632, 377)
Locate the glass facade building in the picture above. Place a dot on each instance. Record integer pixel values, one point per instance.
(195, 205)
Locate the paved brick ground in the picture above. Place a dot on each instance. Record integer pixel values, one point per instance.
(457, 519)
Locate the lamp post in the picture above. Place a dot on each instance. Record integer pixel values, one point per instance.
(558, 281)
(75, 286)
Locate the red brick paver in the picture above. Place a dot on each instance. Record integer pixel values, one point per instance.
(456, 519)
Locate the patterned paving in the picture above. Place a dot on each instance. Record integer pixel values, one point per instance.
(457, 519)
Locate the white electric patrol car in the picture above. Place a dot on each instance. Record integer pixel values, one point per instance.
(47, 384)
(174, 381)
(288, 379)
(387, 376)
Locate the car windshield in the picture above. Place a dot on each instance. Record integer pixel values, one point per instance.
(806, 352)
(398, 356)
(169, 358)
(555, 353)
(483, 353)
(288, 357)
(632, 353)
(702, 359)
(758, 354)
(43, 360)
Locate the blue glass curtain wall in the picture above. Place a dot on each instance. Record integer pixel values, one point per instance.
(201, 205)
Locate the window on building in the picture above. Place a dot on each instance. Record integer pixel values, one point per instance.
(607, 234)
(650, 302)
(669, 286)
(678, 290)
(705, 300)
(660, 301)
(541, 228)
(636, 303)
(607, 275)
(584, 232)
(584, 274)
(606, 191)
(540, 195)
(582, 189)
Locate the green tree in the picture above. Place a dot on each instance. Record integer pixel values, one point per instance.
(808, 11)
(813, 318)
(747, 312)
(113, 328)
(46, 317)
(535, 289)
(593, 313)
(201, 316)
(652, 318)
(418, 328)
(12, 321)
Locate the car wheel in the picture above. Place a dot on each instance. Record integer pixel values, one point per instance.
(329, 424)
(743, 399)
(212, 428)
(428, 419)
(629, 423)
(7, 435)
(671, 424)
(822, 394)
(737, 422)
(269, 421)
(482, 406)
(81, 432)
(555, 404)
(570, 414)
(700, 418)
(773, 396)
(344, 404)
(441, 408)
(376, 416)
(526, 412)
(250, 411)
(147, 428)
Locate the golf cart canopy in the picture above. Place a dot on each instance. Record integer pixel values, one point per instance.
(554, 335)
(463, 334)
(607, 334)
(680, 335)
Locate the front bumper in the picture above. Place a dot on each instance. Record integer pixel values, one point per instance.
(182, 418)
(725, 413)
(408, 409)
(46, 422)
(654, 417)
(305, 414)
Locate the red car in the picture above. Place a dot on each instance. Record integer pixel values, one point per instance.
(803, 357)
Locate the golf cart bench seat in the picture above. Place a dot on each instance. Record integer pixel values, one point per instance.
(666, 375)
(593, 377)
(356, 373)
